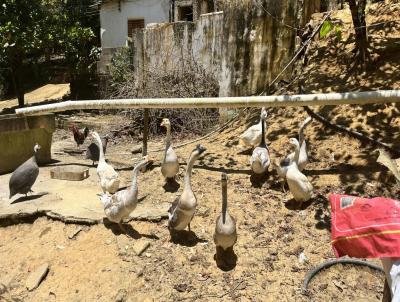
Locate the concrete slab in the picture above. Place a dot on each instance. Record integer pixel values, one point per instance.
(68, 201)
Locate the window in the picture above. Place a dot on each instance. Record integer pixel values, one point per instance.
(134, 24)
(185, 13)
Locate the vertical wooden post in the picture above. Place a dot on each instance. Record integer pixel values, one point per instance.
(145, 131)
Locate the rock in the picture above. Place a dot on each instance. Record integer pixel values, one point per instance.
(121, 296)
(139, 271)
(123, 244)
(150, 212)
(182, 287)
(74, 233)
(140, 246)
(303, 258)
(3, 288)
(37, 276)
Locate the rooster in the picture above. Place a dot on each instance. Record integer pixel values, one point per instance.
(79, 135)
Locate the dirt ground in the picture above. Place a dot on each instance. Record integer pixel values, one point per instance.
(41, 94)
(99, 263)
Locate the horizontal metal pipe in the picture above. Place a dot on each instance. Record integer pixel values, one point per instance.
(365, 97)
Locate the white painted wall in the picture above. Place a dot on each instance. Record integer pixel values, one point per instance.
(114, 23)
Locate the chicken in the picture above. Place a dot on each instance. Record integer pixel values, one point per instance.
(79, 135)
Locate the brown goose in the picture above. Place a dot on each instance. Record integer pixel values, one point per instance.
(225, 235)
(25, 175)
(170, 163)
(182, 210)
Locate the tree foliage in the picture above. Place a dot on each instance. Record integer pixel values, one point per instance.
(31, 30)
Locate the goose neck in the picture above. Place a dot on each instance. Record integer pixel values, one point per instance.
(224, 201)
(188, 173)
(296, 153)
(136, 170)
(168, 138)
(101, 151)
(262, 143)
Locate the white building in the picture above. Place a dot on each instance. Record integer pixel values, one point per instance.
(119, 17)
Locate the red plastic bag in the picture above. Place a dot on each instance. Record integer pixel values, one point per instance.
(365, 228)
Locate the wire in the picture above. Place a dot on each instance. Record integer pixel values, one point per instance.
(277, 19)
(300, 50)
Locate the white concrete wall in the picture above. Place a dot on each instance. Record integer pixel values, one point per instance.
(114, 23)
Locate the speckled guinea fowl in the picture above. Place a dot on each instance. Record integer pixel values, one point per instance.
(225, 235)
(119, 205)
(260, 160)
(182, 210)
(25, 175)
(93, 152)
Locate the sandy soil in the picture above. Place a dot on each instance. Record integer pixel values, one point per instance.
(99, 264)
(41, 94)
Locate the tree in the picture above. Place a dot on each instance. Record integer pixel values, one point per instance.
(35, 29)
(21, 37)
(357, 9)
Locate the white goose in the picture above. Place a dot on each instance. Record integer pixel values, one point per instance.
(170, 163)
(182, 210)
(109, 178)
(298, 183)
(260, 160)
(119, 205)
(282, 166)
(252, 136)
(303, 156)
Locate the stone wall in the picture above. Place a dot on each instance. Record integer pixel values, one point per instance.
(244, 47)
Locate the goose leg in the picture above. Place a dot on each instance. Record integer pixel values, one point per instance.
(283, 186)
(123, 229)
(189, 226)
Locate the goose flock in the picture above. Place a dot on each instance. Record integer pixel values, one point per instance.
(118, 204)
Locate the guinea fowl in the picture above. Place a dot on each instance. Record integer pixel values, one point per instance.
(79, 135)
(298, 183)
(260, 160)
(182, 210)
(119, 205)
(225, 235)
(93, 152)
(303, 157)
(252, 136)
(170, 163)
(109, 178)
(25, 175)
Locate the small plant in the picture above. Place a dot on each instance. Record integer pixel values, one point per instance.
(328, 26)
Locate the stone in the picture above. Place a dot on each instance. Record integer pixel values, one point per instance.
(121, 296)
(140, 246)
(303, 258)
(37, 276)
(123, 243)
(74, 233)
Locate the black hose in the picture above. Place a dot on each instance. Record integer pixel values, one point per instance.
(311, 274)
